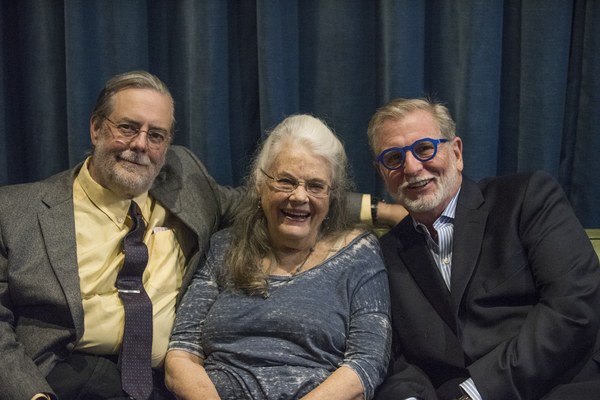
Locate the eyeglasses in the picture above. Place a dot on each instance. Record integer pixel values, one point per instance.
(423, 150)
(313, 188)
(156, 137)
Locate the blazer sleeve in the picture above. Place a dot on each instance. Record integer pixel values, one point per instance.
(556, 333)
(20, 378)
(227, 198)
(405, 380)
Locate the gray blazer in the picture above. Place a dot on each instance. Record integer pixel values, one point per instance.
(41, 315)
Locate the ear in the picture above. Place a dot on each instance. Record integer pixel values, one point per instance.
(457, 152)
(95, 129)
(378, 167)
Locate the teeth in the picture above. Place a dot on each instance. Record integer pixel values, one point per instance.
(419, 184)
(293, 214)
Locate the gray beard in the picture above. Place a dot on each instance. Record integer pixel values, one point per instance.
(427, 203)
(111, 176)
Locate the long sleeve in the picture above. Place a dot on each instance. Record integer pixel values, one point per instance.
(19, 376)
(405, 381)
(26, 283)
(559, 329)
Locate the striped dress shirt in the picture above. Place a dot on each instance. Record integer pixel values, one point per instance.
(442, 249)
(442, 254)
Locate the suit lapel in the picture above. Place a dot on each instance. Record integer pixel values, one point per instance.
(167, 195)
(57, 224)
(469, 227)
(167, 188)
(414, 253)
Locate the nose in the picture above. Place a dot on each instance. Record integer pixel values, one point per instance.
(299, 194)
(411, 165)
(140, 142)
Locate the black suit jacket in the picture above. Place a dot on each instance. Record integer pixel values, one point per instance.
(522, 318)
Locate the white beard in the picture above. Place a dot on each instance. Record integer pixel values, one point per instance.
(444, 185)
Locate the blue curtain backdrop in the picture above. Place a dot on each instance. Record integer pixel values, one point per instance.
(521, 78)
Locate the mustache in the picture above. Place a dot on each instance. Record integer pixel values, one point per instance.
(138, 158)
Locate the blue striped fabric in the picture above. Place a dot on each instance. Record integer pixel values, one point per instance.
(469, 387)
(442, 250)
(442, 254)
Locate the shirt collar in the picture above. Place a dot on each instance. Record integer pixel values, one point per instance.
(447, 215)
(116, 208)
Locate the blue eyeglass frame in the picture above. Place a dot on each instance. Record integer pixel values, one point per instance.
(412, 150)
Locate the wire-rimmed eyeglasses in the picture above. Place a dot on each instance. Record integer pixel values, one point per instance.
(156, 137)
(313, 188)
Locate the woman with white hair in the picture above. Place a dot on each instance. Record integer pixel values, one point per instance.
(293, 300)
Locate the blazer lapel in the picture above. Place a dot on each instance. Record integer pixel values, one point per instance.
(469, 227)
(168, 196)
(57, 224)
(167, 188)
(414, 253)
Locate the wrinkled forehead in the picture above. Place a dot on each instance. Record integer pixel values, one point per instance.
(144, 105)
(300, 162)
(405, 131)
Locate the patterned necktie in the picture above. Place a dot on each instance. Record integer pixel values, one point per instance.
(136, 351)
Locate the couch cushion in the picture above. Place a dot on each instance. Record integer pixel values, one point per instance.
(594, 235)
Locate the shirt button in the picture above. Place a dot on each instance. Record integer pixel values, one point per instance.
(120, 220)
(446, 260)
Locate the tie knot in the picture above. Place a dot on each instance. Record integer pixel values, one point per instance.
(136, 233)
(134, 209)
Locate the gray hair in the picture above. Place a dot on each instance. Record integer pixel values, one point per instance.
(130, 80)
(251, 242)
(399, 108)
(314, 135)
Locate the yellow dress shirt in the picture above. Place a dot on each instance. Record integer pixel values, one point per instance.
(101, 223)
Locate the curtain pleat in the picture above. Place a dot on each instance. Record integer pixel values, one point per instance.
(585, 190)
(520, 77)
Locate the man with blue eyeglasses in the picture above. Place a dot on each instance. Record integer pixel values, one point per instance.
(495, 286)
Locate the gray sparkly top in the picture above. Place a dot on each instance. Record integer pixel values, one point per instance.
(335, 314)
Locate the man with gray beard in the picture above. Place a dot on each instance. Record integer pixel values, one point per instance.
(495, 287)
(62, 318)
